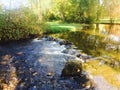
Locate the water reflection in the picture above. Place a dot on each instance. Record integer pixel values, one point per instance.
(113, 31)
(104, 43)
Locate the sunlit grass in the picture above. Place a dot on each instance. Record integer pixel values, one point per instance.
(56, 27)
(107, 72)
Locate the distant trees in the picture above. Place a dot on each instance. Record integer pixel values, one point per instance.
(82, 11)
(112, 9)
(88, 10)
(39, 7)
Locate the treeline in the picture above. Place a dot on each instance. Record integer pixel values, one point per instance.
(79, 11)
(84, 11)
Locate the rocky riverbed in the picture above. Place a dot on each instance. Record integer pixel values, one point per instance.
(37, 65)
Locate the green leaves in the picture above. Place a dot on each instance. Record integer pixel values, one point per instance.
(79, 11)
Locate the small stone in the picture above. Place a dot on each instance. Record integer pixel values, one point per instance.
(20, 53)
(35, 73)
(74, 47)
(49, 74)
(68, 46)
(78, 70)
(22, 84)
(48, 82)
(43, 82)
(35, 87)
(30, 69)
(61, 42)
(26, 79)
(78, 55)
(72, 51)
(65, 51)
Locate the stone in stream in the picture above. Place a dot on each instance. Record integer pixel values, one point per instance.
(63, 42)
(70, 51)
(74, 69)
(65, 51)
(19, 53)
(48, 38)
(84, 57)
(68, 46)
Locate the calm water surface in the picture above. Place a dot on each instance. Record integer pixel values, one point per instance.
(104, 42)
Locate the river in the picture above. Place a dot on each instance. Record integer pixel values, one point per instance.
(37, 64)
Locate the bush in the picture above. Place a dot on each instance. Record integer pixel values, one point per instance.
(72, 68)
(18, 26)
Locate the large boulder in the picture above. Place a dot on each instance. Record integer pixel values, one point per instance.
(72, 68)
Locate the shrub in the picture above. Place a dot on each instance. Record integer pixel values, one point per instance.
(18, 26)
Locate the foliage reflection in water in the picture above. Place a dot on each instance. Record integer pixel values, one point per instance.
(94, 43)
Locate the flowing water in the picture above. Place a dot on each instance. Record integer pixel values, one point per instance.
(35, 65)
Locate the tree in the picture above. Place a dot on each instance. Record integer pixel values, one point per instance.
(81, 11)
(39, 7)
(111, 9)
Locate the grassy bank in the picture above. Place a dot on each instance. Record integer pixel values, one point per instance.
(59, 27)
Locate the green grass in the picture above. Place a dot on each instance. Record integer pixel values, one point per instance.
(58, 27)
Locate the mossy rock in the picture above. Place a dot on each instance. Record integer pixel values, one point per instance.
(72, 68)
